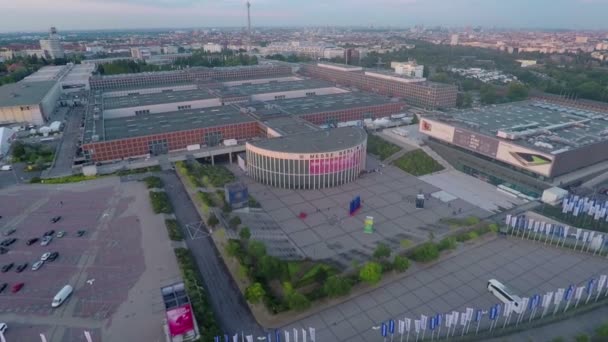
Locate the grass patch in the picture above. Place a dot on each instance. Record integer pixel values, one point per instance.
(199, 299)
(153, 182)
(174, 230)
(160, 202)
(63, 180)
(380, 147)
(155, 168)
(417, 163)
(36, 155)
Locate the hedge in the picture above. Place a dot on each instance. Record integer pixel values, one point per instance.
(174, 230)
(153, 182)
(160, 202)
(418, 163)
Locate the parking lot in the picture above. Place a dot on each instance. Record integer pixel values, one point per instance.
(114, 277)
(458, 282)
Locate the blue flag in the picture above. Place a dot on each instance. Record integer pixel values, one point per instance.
(384, 330)
(568, 293)
(433, 323)
(391, 327)
(269, 337)
(277, 335)
(493, 313)
(478, 314)
(217, 339)
(590, 285)
(438, 319)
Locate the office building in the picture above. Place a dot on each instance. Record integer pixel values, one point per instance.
(52, 46)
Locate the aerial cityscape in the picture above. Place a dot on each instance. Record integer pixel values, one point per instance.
(232, 171)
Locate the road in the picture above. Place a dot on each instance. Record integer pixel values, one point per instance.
(228, 303)
(67, 147)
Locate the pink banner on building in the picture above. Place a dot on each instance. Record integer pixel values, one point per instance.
(180, 320)
(335, 164)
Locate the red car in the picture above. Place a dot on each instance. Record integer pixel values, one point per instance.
(17, 287)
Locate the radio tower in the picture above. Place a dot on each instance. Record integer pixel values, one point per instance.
(248, 26)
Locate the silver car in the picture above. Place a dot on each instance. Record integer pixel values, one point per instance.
(37, 265)
(46, 240)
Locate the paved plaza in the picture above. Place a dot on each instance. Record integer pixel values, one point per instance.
(329, 233)
(456, 283)
(116, 281)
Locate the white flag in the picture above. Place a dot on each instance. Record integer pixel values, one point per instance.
(313, 334)
(408, 323)
(448, 320)
(579, 292)
(235, 338)
(401, 327)
(295, 335)
(566, 228)
(303, 335)
(507, 308)
(417, 326)
(536, 227)
(469, 314)
(423, 321)
(578, 232)
(524, 303)
(286, 336)
(558, 296)
(508, 219)
(463, 318)
(585, 236)
(601, 282)
(548, 228)
(249, 338)
(591, 236)
(547, 299)
(455, 316)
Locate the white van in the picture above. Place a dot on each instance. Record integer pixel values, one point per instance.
(6, 168)
(505, 295)
(62, 295)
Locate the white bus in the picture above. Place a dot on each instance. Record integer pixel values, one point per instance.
(62, 295)
(505, 295)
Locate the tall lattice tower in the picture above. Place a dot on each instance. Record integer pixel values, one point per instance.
(248, 26)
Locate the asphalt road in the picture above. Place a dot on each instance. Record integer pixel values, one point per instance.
(67, 148)
(229, 306)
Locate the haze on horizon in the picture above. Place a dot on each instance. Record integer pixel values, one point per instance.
(38, 15)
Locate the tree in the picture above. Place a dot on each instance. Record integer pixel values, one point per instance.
(18, 150)
(415, 120)
(425, 71)
(602, 331)
(181, 49)
(382, 251)
(269, 267)
(255, 293)
(336, 286)
(212, 221)
(233, 248)
(517, 91)
(401, 263)
(245, 233)
(464, 100)
(235, 221)
(297, 301)
(487, 94)
(256, 249)
(371, 272)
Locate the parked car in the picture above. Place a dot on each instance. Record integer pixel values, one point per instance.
(8, 242)
(80, 233)
(3, 327)
(7, 267)
(45, 256)
(49, 233)
(3, 287)
(53, 256)
(37, 265)
(46, 240)
(17, 287)
(3, 250)
(21, 267)
(60, 234)
(31, 241)
(56, 219)
(9, 231)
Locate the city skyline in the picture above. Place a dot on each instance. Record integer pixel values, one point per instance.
(141, 14)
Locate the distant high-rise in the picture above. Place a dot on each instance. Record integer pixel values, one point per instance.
(248, 26)
(52, 47)
(454, 39)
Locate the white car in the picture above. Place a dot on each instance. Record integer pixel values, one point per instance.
(37, 265)
(3, 327)
(45, 256)
(46, 240)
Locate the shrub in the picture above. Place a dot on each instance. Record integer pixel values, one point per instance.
(233, 248)
(418, 163)
(160, 203)
(245, 233)
(582, 338)
(371, 273)
(447, 243)
(235, 221)
(401, 263)
(252, 202)
(493, 228)
(336, 286)
(405, 243)
(256, 249)
(380, 147)
(471, 220)
(426, 252)
(212, 221)
(382, 251)
(255, 293)
(297, 301)
(206, 198)
(153, 182)
(602, 331)
(174, 230)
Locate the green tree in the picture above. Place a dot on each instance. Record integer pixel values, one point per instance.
(297, 301)
(602, 331)
(415, 120)
(582, 338)
(256, 249)
(425, 71)
(371, 272)
(401, 263)
(487, 94)
(233, 248)
(181, 49)
(321, 275)
(212, 221)
(336, 286)
(269, 267)
(18, 150)
(517, 91)
(382, 251)
(245, 233)
(405, 243)
(255, 293)
(464, 100)
(235, 221)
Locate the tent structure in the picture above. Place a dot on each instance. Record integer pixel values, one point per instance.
(6, 138)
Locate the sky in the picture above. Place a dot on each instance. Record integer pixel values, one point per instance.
(38, 15)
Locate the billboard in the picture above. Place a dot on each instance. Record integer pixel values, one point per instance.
(333, 164)
(524, 158)
(180, 320)
(437, 130)
(476, 142)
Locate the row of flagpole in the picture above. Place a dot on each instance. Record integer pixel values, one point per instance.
(277, 334)
(462, 321)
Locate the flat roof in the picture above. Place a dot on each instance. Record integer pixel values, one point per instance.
(315, 142)
(275, 86)
(290, 125)
(134, 126)
(543, 126)
(47, 73)
(24, 93)
(327, 103)
(166, 96)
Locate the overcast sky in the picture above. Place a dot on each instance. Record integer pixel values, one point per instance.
(29, 15)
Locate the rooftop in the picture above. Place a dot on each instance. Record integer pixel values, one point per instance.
(24, 93)
(48, 73)
(166, 96)
(540, 125)
(327, 103)
(315, 142)
(275, 86)
(290, 125)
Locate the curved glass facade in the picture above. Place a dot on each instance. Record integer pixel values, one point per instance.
(306, 170)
